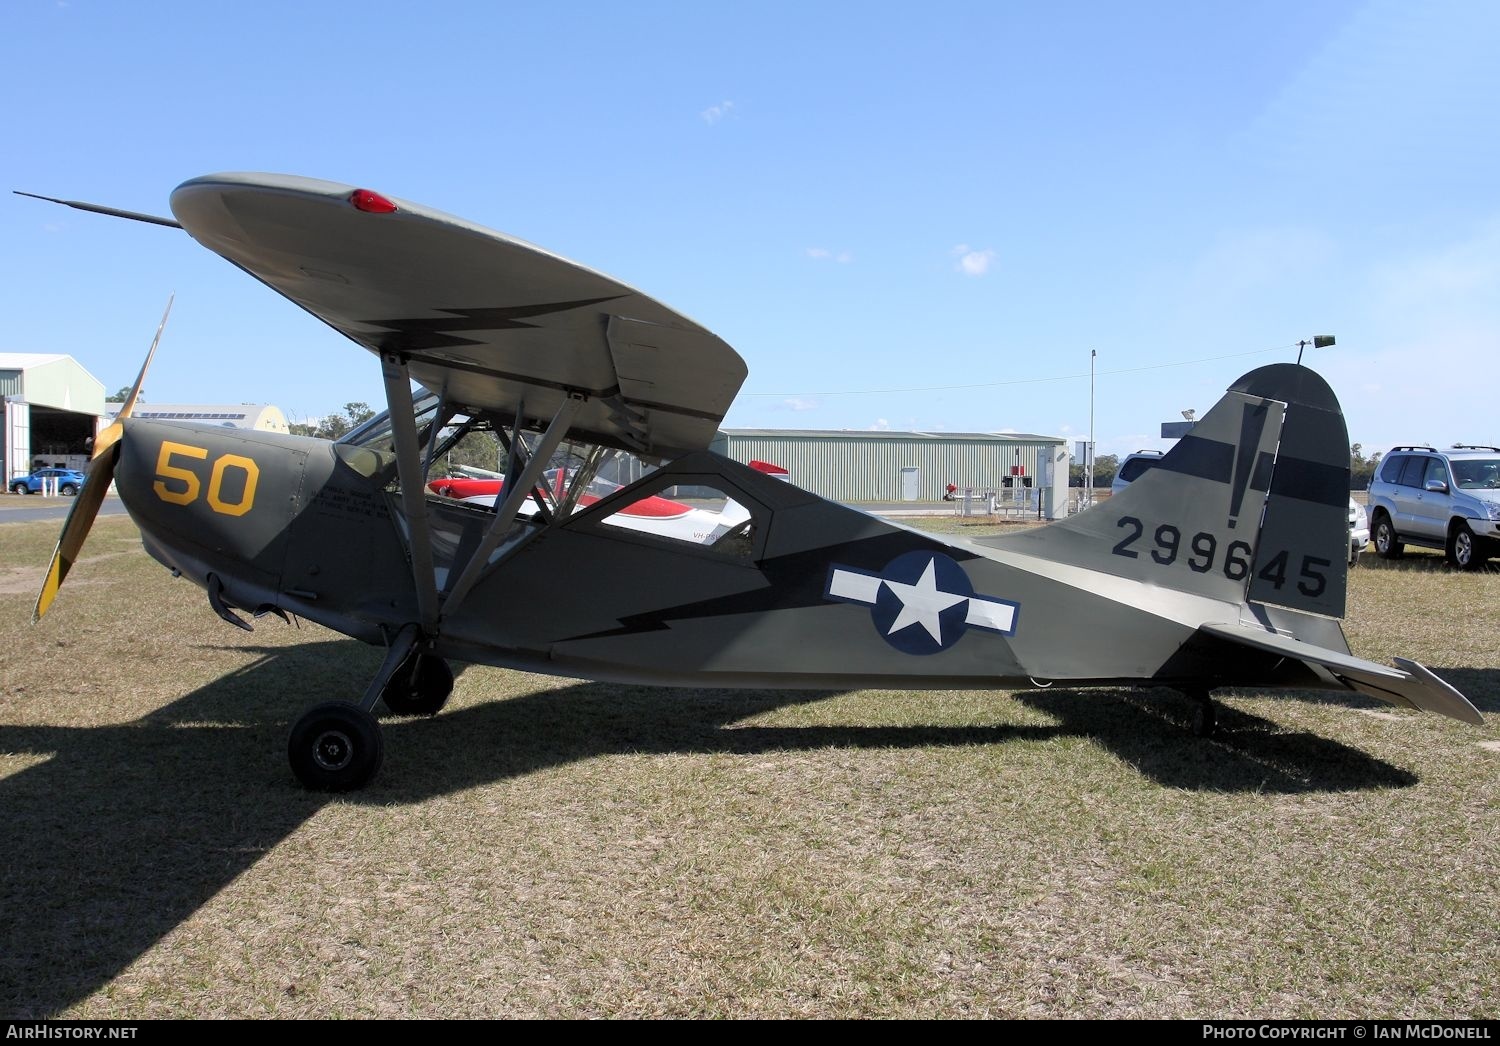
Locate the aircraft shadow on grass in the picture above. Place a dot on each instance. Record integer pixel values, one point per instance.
(122, 832)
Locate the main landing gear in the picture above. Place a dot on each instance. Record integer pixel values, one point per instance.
(337, 747)
(420, 686)
(1205, 712)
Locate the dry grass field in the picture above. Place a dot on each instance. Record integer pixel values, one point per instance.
(548, 847)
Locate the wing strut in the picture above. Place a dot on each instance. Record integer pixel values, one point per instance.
(413, 491)
(513, 494)
(440, 418)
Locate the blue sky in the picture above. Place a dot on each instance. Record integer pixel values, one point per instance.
(902, 216)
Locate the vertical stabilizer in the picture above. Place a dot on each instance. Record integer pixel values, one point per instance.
(1251, 505)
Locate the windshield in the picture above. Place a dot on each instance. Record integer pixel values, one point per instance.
(375, 434)
(1476, 473)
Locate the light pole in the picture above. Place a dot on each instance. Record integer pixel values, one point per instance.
(1319, 341)
(1088, 481)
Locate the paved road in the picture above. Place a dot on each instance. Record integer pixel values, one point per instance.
(22, 508)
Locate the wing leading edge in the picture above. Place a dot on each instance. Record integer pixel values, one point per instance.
(491, 322)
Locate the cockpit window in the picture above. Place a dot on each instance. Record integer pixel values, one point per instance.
(376, 433)
(702, 513)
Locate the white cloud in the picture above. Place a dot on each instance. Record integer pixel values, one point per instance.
(824, 254)
(881, 425)
(799, 403)
(714, 113)
(972, 261)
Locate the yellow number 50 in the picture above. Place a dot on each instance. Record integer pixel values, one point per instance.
(192, 485)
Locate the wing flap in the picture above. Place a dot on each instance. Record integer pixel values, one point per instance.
(1408, 685)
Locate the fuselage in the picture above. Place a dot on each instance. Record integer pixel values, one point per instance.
(807, 593)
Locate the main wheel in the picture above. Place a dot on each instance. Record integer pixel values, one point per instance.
(1387, 545)
(67, 490)
(1205, 717)
(19, 488)
(1463, 549)
(336, 747)
(420, 686)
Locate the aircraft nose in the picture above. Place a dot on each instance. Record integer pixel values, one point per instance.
(213, 501)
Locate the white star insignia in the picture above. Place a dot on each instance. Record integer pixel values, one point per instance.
(922, 603)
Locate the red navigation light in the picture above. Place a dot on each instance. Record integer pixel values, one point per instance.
(371, 202)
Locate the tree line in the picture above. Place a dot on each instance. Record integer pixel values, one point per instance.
(1361, 469)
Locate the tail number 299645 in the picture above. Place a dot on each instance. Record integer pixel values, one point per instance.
(1167, 543)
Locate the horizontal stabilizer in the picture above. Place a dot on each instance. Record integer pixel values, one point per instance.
(1409, 685)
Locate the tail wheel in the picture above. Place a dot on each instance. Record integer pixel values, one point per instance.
(420, 686)
(1463, 548)
(336, 747)
(1387, 544)
(19, 488)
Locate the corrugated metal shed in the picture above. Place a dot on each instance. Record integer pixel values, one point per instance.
(49, 407)
(849, 465)
(51, 380)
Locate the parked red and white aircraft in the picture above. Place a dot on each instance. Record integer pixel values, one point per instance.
(653, 514)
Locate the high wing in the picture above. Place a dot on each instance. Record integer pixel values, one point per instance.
(489, 322)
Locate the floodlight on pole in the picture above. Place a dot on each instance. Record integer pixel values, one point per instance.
(1319, 341)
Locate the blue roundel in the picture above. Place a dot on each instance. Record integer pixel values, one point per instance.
(922, 602)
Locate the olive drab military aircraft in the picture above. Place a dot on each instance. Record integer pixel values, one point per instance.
(1225, 566)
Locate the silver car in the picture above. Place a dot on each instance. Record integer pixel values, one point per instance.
(1359, 531)
(1445, 499)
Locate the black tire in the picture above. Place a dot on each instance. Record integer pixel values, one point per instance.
(1387, 544)
(336, 747)
(1465, 551)
(19, 488)
(1205, 717)
(420, 686)
(67, 490)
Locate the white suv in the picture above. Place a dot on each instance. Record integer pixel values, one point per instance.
(1133, 468)
(1447, 499)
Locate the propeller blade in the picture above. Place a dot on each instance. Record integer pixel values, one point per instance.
(98, 476)
(135, 390)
